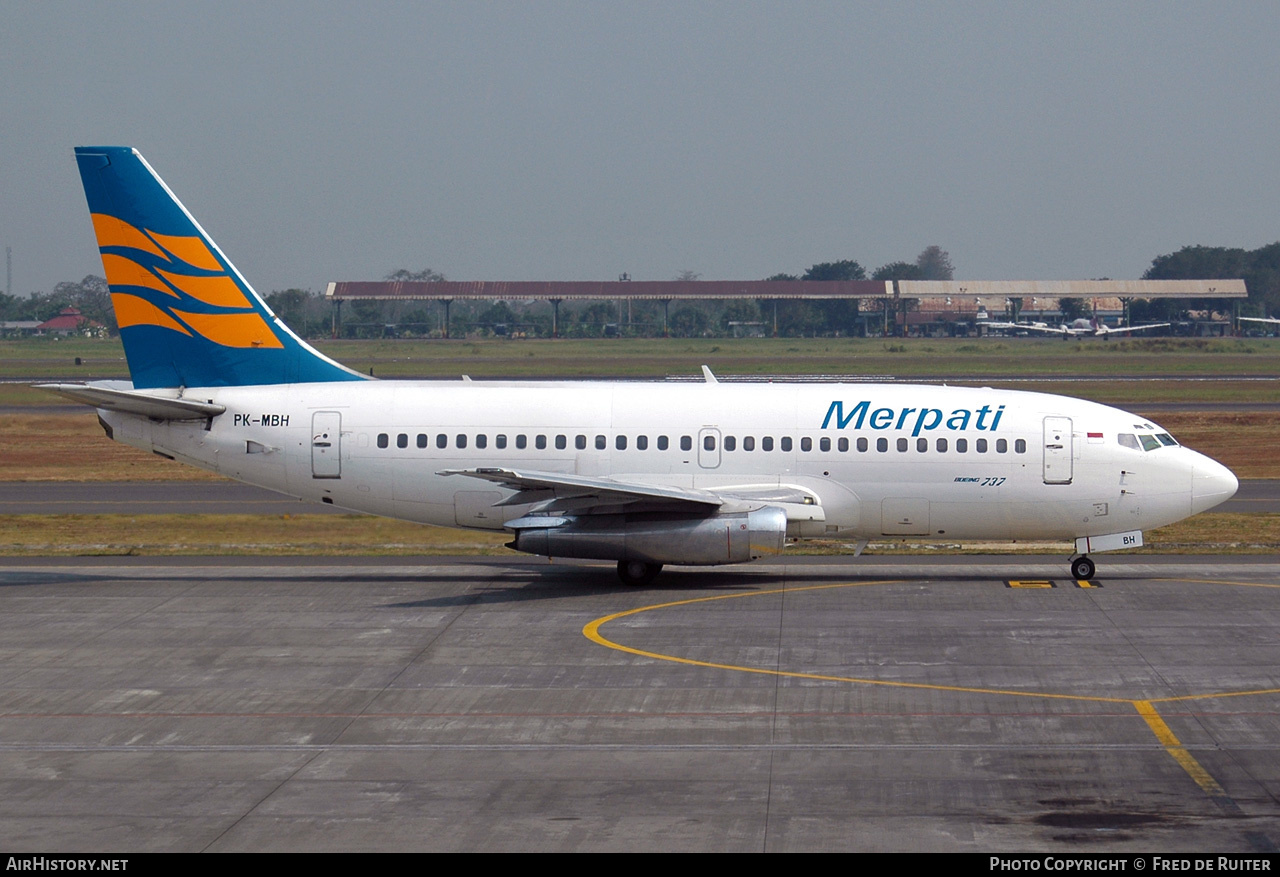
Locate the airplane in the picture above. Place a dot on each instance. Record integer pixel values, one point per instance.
(1082, 327)
(644, 474)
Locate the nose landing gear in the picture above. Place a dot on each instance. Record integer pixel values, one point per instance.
(1082, 567)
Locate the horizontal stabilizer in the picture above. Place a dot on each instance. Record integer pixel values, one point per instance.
(135, 402)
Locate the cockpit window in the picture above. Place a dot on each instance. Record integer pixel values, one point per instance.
(1128, 440)
(1149, 442)
(1166, 439)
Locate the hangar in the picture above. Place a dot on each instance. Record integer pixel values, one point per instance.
(956, 300)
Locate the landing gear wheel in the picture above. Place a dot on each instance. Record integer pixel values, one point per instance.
(637, 572)
(1082, 568)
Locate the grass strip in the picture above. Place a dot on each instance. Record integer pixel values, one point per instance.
(358, 535)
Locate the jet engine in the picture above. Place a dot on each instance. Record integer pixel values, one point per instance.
(655, 537)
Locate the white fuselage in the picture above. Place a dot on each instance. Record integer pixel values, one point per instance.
(870, 459)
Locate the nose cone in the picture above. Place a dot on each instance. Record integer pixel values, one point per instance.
(1211, 484)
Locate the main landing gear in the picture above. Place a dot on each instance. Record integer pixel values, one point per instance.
(1082, 568)
(637, 572)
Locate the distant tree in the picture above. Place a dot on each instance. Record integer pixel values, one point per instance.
(739, 311)
(845, 270)
(498, 312)
(1073, 308)
(935, 264)
(90, 296)
(1259, 269)
(599, 312)
(783, 277)
(797, 318)
(689, 321)
(426, 275)
(899, 271)
(687, 275)
(290, 305)
(837, 316)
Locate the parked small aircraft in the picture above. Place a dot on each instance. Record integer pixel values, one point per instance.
(1083, 327)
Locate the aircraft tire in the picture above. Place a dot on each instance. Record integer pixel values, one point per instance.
(1082, 568)
(637, 572)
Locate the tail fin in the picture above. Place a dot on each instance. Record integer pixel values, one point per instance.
(187, 317)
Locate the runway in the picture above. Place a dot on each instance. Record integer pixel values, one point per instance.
(229, 497)
(981, 704)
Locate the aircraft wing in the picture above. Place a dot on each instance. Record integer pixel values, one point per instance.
(1270, 320)
(1124, 329)
(535, 486)
(1053, 330)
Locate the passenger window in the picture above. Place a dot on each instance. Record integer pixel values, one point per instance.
(422, 440)
(824, 444)
(1002, 446)
(462, 440)
(882, 445)
(499, 441)
(962, 446)
(686, 443)
(902, 445)
(562, 442)
(980, 446)
(580, 442)
(663, 443)
(730, 443)
(749, 443)
(843, 445)
(601, 443)
(642, 443)
(922, 445)
(402, 440)
(522, 441)
(1020, 446)
(708, 443)
(620, 442)
(540, 442)
(806, 444)
(1128, 440)
(942, 446)
(766, 443)
(383, 440)
(785, 443)
(482, 441)
(442, 441)
(862, 445)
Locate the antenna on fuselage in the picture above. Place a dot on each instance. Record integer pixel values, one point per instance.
(706, 373)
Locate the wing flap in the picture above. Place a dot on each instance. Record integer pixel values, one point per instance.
(563, 486)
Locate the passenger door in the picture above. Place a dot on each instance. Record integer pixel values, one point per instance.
(1057, 450)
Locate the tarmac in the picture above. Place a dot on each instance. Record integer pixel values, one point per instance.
(974, 704)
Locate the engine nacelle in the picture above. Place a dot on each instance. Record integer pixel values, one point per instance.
(656, 537)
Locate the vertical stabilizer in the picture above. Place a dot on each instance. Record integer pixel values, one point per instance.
(187, 317)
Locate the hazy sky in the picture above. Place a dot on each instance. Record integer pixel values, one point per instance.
(574, 141)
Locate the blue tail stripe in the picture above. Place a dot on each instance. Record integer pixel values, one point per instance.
(184, 324)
